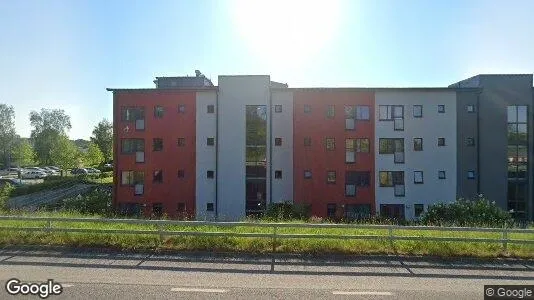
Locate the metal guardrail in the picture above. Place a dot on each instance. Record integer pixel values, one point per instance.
(274, 233)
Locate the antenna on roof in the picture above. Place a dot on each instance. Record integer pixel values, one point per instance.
(197, 73)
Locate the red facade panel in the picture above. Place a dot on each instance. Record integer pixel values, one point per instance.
(312, 122)
(175, 194)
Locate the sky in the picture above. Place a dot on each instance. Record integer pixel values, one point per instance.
(64, 54)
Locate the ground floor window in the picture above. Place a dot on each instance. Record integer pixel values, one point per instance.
(157, 210)
(357, 211)
(130, 209)
(331, 210)
(392, 211)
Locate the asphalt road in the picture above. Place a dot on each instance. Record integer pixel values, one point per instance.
(108, 275)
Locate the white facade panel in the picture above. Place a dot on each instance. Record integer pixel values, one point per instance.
(431, 126)
(282, 156)
(206, 125)
(235, 93)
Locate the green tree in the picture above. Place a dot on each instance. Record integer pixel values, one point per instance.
(7, 133)
(65, 155)
(93, 156)
(103, 138)
(22, 153)
(50, 128)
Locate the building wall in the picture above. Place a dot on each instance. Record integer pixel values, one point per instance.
(316, 191)
(235, 92)
(206, 127)
(432, 159)
(467, 126)
(282, 156)
(173, 125)
(499, 91)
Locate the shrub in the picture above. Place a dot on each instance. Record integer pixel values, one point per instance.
(287, 211)
(477, 212)
(97, 201)
(5, 192)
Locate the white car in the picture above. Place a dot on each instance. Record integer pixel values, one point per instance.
(32, 174)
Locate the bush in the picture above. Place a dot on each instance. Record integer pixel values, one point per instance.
(5, 192)
(106, 174)
(287, 211)
(477, 212)
(97, 201)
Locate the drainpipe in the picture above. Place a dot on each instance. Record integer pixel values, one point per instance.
(217, 156)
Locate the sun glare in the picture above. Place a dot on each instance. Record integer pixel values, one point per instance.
(289, 32)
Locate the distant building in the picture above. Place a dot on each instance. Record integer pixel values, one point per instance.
(189, 148)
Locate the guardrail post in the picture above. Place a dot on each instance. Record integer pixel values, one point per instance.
(160, 232)
(505, 239)
(49, 225)
(274, 248)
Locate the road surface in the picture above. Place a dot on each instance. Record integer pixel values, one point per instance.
(111, 275)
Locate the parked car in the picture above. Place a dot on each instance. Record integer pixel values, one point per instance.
(12, 181)
(93, 171)
(51, 171)
(79, 171)
(32, 174)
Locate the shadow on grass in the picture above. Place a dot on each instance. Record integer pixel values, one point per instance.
(289, 264)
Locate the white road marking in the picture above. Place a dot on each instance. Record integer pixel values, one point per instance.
(198, 290)
(67, 285)
(364, 293)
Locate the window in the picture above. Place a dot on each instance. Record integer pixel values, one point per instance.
(210, 141)
(330, 144)
(470, 141)
(417, 144)
(362, 145)
(278, 141)
(211, 109)
(441, 108)
(157, 144)
(158, 176)
(130, 146)
(331, 177)
(441, 142)
(390, 146)
(470, 174)
(349, 117)
(391, 178)
(350, 190)
(358, 178)
(390, 112)
(330, 111)
(307, 174)
(181, 142)
(181, 173)
(418, 177)
(350, 149)
(278, 174)
(362, 112)
(441, 174)
(418, 209)
(417, 111)
(157, 209)
(331, 210)
(278, 108)
(132, 113)
(210, 174)
(181, 108)
(307, 141)
(181, 207)
(470, 108)
(307, 108)
(132, 177)
(209, 206)
(159, 111)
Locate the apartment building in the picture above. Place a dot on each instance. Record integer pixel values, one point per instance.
(189, 148)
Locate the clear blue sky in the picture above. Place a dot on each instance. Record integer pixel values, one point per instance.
(64, 54)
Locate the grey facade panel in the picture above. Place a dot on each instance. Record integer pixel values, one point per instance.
(467, 155)
(498, 92)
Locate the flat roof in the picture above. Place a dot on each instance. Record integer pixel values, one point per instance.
(367, 89)
(177, 89)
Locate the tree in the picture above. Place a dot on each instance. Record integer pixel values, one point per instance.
(50, 129)
(7, 133)
(65, 155)
(93, 156)
(23, 153)
(103, 138)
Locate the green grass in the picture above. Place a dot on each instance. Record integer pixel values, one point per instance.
(261, 245)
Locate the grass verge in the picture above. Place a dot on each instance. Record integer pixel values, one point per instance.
(153, 242)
